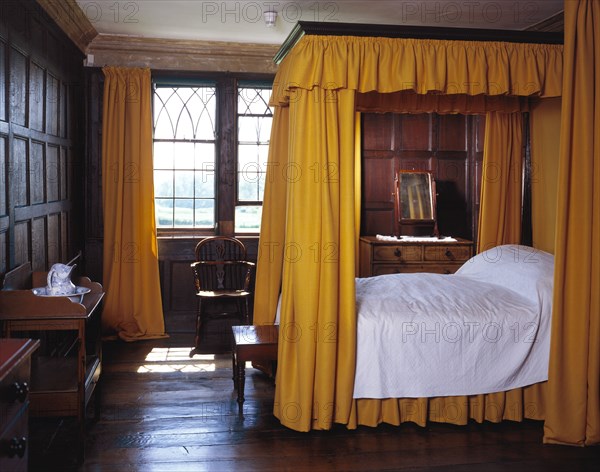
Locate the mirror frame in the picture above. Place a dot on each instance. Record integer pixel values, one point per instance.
(414, 226)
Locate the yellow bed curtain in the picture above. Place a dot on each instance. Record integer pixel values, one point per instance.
(272, 233)
(319, 324)
(501, 183)
(132, 306)
(318, 81)
(545, 143)
(573, 415)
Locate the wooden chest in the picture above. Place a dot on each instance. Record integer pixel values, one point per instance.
(379, 257)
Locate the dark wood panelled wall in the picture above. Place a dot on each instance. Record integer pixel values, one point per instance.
(41, 137)
(450, 146)
(94, 225)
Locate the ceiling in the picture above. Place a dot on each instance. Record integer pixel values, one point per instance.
(242, 21)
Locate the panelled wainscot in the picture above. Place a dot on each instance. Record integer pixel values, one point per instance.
(379, 257)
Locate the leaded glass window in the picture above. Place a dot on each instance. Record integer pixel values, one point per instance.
(254, 130)
(184, 156)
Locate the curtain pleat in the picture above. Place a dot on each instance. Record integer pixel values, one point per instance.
(574, 373)
(513, 405)
(132, 305)
(357, 186)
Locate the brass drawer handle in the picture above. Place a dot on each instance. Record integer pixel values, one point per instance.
(19, 391)
(17, 447)
(449, 255)
(397, 252)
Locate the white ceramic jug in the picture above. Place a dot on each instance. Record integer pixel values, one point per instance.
(59, 280)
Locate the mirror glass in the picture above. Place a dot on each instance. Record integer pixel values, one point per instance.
(416, 202)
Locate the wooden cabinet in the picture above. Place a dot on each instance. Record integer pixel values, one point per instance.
(67, 369)
(379, 257)
(15, 367)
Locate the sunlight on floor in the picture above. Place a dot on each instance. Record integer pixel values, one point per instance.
(176, 359)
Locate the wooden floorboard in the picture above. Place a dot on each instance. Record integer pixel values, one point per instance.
(162, 411)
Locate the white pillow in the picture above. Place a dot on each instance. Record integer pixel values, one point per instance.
(278, 311)
(523, 269)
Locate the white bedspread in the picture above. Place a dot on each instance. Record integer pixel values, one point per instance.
(427, 335)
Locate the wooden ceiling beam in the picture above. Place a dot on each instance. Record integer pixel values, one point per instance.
(72, 20)
(303, 28)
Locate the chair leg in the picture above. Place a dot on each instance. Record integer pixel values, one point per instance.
(198, 325)
(242, 306)
(247, 311)
(234, 365)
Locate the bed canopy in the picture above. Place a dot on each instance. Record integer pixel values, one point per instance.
(310, 225)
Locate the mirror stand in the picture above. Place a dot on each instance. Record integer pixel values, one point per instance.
(415, 204)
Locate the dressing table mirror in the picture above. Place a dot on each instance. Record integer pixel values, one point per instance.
(415, 204)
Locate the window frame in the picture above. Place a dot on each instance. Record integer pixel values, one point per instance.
(226, 152)
(195, 141)
(255, 84)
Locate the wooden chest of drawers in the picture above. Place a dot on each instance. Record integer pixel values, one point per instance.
(378, 257)
(15, 370)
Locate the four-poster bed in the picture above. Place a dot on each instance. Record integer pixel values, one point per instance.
(315, 124)
(310, 228)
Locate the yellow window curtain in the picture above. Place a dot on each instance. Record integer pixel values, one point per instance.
(132, 306)
(500, 206)
(574, 374)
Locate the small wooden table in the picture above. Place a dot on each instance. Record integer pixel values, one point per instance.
(60, 385)
(251, 343)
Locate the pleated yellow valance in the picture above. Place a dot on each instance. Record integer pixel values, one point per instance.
(389, 65)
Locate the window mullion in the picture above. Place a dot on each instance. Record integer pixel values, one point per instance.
(226, 154)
